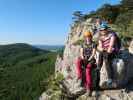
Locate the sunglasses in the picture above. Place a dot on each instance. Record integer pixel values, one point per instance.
(103, 30)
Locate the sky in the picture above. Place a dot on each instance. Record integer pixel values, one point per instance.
(41, 21)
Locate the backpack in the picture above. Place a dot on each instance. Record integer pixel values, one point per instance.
(118, 41)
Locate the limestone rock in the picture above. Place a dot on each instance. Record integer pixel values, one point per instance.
(131, 47)
(119, 72)
(123, 66)
(58, 64)
(109, 95)
(44, 96)
(72, 52)
(103, 75)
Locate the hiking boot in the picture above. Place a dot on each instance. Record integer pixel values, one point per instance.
(89, 92)
(107, 84)
(95, 93)
(111, 84)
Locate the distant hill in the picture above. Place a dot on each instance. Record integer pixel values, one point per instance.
(52, 48)
(23, 71)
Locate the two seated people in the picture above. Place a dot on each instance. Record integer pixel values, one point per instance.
(86, 62)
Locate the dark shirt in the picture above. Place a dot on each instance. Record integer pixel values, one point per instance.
(88, 49)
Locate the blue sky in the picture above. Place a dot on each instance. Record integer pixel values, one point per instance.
(41, 21)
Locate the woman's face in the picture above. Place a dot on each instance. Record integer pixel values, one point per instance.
(103, 32)
(98, 21)
(88, 39)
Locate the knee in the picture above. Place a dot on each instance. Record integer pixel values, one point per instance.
(78, 61)
(89, 66)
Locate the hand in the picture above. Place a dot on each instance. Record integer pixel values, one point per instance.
(109, 51)
(82, 57)
(100, 49)
(104, 49)
(89, 59)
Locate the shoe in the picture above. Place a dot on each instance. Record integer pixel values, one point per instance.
(109, 83)
(89, 92)
(95, 93)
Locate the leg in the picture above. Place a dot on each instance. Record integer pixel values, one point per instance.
(110, 71)
(97, 79)
(108, 61)
(88, 83)
(79, 68)
(99, 65)
(100, 60)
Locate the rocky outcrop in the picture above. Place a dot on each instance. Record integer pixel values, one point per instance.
(72, 52)
(118, 72)
(109, 95)
(44, 96)
(131, 47)
(122, 66)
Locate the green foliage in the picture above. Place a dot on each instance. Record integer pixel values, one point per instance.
(77, 15)
(91, 14)
(124, 22)
(130, 29)
(54, 82)
(60, 52)
(23, 71)
(121, 15)
(124, 19)
(108, 12)
(53, 89)
(127, 4)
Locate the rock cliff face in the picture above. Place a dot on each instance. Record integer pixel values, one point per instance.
(131, 47)
(66, 65)
(123, 67)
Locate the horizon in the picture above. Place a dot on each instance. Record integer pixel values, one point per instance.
(36, 44)
(41, 22)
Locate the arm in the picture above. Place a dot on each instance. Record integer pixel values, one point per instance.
(99, 48)
(81, 53)
(110, 49)
(93, 54)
